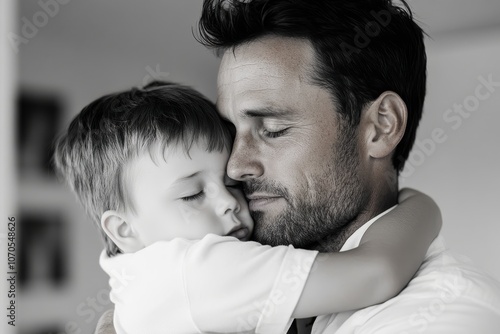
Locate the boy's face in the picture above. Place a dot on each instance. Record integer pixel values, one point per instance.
(176, 195)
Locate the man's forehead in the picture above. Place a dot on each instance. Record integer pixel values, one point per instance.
(267, 63)
(253, 89)
(285, 54)
(250, 77)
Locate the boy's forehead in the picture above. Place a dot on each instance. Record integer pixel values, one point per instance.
(179, 150)
(149, 159)
(179, 158)
(162, 151)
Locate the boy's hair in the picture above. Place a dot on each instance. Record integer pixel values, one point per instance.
(363, 48)
(115, 128)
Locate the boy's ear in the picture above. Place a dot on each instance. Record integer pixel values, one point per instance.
(384, 124)
(118, 229)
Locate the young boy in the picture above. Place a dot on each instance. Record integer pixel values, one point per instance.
(149, 167)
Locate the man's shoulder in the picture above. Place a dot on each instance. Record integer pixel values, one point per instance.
(448, 294)
(447, 279)
(444, 273)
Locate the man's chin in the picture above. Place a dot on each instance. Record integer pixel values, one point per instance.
(302, 227)
(265, 229)
(265, 238)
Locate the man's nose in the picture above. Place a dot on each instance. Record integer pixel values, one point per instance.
(244, 163)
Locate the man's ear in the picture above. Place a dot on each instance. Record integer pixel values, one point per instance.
(384, 122)
(119, 229)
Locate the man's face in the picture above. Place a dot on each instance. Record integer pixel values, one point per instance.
(300, 169)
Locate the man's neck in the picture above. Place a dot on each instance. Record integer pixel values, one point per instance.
(334, 242)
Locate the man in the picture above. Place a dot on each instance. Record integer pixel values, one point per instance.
(325, 98)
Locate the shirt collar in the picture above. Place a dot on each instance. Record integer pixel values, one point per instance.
(354, 240)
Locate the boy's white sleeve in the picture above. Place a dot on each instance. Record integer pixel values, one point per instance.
(240, 286)
(217, 284)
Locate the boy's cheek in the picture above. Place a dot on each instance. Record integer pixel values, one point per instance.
(188, 215)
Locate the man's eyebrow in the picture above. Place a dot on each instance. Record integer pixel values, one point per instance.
(267, 112)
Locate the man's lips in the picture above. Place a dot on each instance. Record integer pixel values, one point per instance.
(258, 201)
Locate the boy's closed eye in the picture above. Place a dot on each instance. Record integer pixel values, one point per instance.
(194, 197)
(229, 183)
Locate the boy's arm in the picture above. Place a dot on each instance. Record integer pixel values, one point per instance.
(105, 323)
(390, 253)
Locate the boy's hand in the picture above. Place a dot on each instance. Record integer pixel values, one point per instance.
(406, 193)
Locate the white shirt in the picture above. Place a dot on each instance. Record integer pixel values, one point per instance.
(446, 296)
(214, 285)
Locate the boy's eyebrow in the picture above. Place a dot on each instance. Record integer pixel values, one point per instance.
(185, 178)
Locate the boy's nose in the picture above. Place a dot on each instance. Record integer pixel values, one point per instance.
(227, 203)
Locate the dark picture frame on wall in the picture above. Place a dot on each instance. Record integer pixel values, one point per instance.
(42, 249)
(38, 119)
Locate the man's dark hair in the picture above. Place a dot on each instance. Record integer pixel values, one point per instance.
(363, 48)
(92, 154)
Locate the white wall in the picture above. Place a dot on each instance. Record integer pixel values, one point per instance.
(463, 172)
(7, 169)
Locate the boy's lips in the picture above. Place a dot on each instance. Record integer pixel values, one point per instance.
(241, 232)
(257, 201)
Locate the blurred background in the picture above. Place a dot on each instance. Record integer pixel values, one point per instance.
(65, 53)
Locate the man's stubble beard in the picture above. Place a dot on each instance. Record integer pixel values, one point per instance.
(316, 219)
